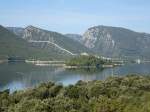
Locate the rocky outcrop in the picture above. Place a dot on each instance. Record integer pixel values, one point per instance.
(117, 42)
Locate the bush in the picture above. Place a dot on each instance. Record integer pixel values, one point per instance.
(115, 94)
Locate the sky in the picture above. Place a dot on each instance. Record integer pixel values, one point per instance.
(76, 16)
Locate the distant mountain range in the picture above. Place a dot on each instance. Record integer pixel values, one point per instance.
(106, 41)
(55, 45)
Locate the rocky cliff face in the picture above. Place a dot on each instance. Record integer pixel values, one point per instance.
(117, 42)
(34, 33)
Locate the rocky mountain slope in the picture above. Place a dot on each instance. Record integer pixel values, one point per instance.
(13, 46)
(117, 42)
(76, 37)
(56, 44)
(16, 30)
(60, 42)
(107, 41)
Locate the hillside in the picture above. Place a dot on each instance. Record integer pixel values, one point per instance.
(113, 42)
(76, 37)
(59, 41)
(117, 42)
(53, 42)
(16, 30)
(12, 45)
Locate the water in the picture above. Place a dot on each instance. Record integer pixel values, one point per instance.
(17, 76)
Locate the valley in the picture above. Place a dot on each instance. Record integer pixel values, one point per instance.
(74, 56)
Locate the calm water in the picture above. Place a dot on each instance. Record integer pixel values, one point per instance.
(16, 76)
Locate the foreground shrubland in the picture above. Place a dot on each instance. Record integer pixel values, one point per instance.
(115, 94)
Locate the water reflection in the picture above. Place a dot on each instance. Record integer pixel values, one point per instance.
(16, 76)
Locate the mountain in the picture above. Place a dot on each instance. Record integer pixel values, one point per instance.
(58, 46)
(107, 41)
(117, 42)
(16, 30)
(13, 46)
(53, 41)
(76, 37)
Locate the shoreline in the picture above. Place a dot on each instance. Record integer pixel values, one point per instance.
(60, 64)
(103, 66)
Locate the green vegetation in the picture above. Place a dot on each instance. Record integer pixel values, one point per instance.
(13, 46)
(55, 52)
(116, 94)
(86, 61)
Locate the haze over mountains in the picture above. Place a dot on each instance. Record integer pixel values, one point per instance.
(113, 42)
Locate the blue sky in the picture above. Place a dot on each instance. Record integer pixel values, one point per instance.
(76, 16)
